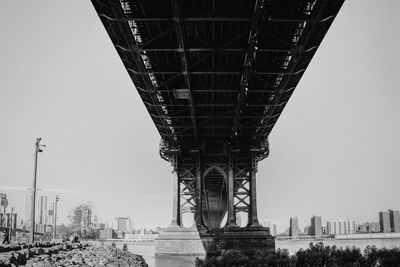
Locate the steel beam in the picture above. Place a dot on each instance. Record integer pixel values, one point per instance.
(267, 121)
(199, 194)
(248, 66)
(128, 39)
(179, 28)
(253, 218)
(231, 220)
(186, 73)
(217, 117)
(218, 105)
(213, 50)
(218, 19)
(209, 126)
(176, 204)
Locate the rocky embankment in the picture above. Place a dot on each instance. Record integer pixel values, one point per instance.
(67, 254)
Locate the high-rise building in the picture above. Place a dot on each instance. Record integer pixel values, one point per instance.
(43, 210)
(394, 221)
(316, 226)
(131, 223)
(274, 231)
(3, 206)
(330, 228)
(122, 224)
(349, 227)
(294, 227)
(50, 214)
(87, 218)
(384, 221)
(10, 219)
(340, 227)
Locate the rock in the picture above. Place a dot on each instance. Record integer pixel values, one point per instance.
(82, 254)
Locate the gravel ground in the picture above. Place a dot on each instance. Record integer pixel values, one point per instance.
(72, 255)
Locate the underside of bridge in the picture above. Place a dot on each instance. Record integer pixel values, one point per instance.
(215, 75)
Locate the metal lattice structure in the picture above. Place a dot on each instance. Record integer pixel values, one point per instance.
(215, 75)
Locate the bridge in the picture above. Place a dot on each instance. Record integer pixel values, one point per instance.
(215, 76)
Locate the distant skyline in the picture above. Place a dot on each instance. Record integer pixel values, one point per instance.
(334, 150)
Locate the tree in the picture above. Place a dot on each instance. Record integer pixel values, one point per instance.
(80, 221)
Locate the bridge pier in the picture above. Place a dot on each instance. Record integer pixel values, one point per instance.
(212, 185)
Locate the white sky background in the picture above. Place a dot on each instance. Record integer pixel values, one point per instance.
(334, 151)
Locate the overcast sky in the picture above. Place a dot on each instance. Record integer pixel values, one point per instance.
(334, 150)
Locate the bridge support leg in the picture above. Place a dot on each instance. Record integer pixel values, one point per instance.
(231, 220)
(199, 194)
(253, 218)
(176, 209)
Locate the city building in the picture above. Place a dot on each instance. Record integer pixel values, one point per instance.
(324, 232)
(384, 221)
(294, 227)
(123, 224)
(50, 214)
(340, 227)
(97, 225)
(86, 222)
(42, 211)
(368, 227)
(274, 231)
(394, 221)
(307, 230)
(349, 227)
(108, 233)
(316, 226)
(3, 207)
(9, 219)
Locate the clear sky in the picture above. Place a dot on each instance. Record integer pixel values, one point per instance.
(334, 151)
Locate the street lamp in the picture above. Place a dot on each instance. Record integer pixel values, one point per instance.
(38, 149)
(55, 218)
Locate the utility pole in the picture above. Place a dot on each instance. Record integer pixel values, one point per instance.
(55, 217)
(33, 204)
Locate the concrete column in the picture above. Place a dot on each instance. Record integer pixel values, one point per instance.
(176, 209)
(253, 218)
(231, 220)
(199, 196)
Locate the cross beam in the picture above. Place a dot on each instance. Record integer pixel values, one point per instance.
(184, 59)
(248, 66)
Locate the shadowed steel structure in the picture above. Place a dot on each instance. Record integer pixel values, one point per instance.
(215, 75)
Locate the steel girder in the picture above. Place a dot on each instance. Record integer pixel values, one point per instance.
(239, 60)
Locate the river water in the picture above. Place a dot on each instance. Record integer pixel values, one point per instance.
(147, 249)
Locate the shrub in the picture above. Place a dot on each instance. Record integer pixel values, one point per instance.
(315, 255)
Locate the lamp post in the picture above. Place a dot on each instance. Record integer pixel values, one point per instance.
(55, 217)
(33, 202)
